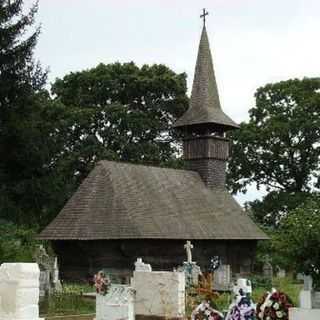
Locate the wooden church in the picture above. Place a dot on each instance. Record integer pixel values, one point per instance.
(123, 211)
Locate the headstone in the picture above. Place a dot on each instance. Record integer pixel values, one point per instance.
(307, 283)
(192, 272)
(49, 271)
(117, 304)
(190, 268)
(55, 279)
(316, 300)
(304, 314)
(305, 295)
(45, 263)
(267, 269)
(159, 294)
(19, 291)
(222, 278)
(141, 266)
(281, 273)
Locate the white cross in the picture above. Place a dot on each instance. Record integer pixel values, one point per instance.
(188, 246)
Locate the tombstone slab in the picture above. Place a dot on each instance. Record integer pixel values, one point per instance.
(19, 291)
(159, 295)
(117, 304)
(192, 272)
(222, 278)
(304, 314)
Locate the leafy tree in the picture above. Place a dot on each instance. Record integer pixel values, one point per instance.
(121, 112)
(279, 147)
(298, 239)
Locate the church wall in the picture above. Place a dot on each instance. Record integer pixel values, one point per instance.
(82, 259)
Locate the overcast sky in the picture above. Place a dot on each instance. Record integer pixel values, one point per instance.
(253, 42)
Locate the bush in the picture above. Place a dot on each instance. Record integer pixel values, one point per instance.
(17, 244)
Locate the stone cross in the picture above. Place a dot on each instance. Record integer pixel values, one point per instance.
(203, 16)
(188, 246)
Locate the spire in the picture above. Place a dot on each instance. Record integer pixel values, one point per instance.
(205, 108)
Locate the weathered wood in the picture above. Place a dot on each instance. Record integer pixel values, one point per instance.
(81, 259)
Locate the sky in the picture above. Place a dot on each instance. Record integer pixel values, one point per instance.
(253, 42)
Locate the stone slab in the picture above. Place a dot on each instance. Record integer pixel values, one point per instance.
(159, 294)
(304, 314)
(117, 304)
(19, 291)
(305, 299)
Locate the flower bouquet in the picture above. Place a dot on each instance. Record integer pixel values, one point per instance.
(242, 309)
(205, 312)
(102, 283)
(274, 306)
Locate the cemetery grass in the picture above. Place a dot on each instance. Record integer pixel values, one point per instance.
(68, 302)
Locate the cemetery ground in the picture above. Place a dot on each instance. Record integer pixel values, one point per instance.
(72, 304)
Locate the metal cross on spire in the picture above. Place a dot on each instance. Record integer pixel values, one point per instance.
(203, 16)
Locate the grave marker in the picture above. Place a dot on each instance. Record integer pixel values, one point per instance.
(19, 291)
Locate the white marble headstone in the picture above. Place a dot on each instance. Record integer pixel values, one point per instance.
(159, 294)
(19, 291)
(117, 304)
(141, 266)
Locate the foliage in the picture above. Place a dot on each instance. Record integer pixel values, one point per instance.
(23, 146)
(47, 146)
(299, 239)
(16, 243)
(279, 147)
(123, 113)
(259, 281)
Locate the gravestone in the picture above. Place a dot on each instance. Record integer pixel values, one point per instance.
(159, 294)
(304, 314)
(141, 266)
(267, 268)
(305, 295)
(19, 291)
(309, 309)
(190, 268)
(117, 304)
(281, 273)
(222, 278)
(49, 271)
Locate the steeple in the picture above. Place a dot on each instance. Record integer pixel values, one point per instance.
(205, 147)
(205, 108)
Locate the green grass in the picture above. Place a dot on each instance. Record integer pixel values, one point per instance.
(69, 302)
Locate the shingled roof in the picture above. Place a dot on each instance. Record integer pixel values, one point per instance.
(205, 105)
(126, 201)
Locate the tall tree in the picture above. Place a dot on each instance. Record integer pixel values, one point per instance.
(279, 147)
(21, 83)
(123, 112)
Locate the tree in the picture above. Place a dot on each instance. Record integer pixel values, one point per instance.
(22, 144)
(298, 239)
(279, 147)
(121, 112)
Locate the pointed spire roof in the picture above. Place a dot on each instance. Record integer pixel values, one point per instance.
(205, 105)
